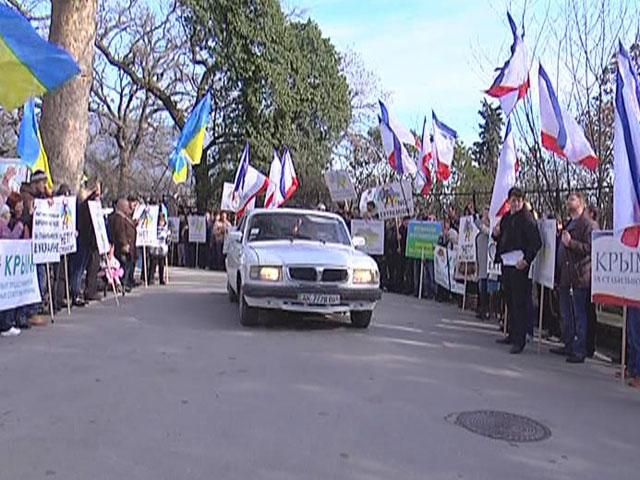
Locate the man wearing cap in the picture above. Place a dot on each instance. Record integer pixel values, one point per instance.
(518, 241)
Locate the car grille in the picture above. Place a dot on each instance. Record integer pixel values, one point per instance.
(334, 275)
(311, 274)
(303, 274)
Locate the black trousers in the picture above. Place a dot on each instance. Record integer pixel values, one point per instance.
(592, 326)
(157, 262)
(516, 285)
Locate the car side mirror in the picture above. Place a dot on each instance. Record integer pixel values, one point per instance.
(235, 236)
(358, 242)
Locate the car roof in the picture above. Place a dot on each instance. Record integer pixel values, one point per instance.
(296, 211)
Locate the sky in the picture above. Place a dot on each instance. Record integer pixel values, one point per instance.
(428, 54)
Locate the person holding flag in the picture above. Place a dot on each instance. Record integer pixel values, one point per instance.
(189, 148)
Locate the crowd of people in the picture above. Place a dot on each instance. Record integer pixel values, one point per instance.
(89, 273)
(568, 313)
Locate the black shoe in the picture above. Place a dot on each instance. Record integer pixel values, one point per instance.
(575, 359)
(127, 289)
(504, 341)
(560, 351)
(516, 349)
(79, 303)
(162, 282)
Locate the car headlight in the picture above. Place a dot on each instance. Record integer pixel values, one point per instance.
(365, 275)
(266, 274)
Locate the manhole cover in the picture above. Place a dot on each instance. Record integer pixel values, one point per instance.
(502, 426)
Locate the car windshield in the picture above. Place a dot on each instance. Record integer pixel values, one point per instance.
(297, 226)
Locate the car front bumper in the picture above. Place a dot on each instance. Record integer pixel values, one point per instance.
(284, 297)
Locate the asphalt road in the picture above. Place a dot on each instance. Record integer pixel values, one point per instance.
(170, 386)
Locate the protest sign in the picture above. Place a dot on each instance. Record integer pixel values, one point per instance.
(340, 185)
(18, 278)
(197, 229)
(544, 265)
(46, 232)
(494, 269)
(615, 270)
(444, 261)
(373, 233)
(66, 206)
(227, 204)
(422, 237)
(13, 173)
(97, 219)
(174, 228)
(467, 239)
(147, 227)
(456, 281)
(394, 200)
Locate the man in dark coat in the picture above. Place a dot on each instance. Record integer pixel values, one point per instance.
(518, 241)
(123, 237)
(574, 266)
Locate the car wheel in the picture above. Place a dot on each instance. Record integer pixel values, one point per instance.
(361, 319)
(233, 296)
(248, 315)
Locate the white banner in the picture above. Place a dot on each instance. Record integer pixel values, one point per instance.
(615, 270)
(544, 265)
(97, 218)
(394, 200)
(174, 228)
(340, 185)
(18, 278)
(147, 227)
(226, 204)
(467, 239)
(444, 262)
(46, 232)
(373, 233)
(68, 221)
(197, 228)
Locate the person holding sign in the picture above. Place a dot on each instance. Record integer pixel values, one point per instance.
(574, 265)
(160, 251)
(123, 230)
(518, 241)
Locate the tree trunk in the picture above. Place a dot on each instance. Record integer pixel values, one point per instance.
(65, 113)
(124, 172)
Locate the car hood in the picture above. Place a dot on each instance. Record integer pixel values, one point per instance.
(303, 252)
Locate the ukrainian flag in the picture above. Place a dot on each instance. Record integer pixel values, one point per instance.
(30, 65)
(191, 142)
(30, 148)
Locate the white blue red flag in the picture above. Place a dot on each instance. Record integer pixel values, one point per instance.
(512, 83)
(424, 179)
(396, 126)
(248, 184)
(289, 182)
(561, 134)
(394, 150)
(506, 174)
(444, 144)
(273, 197)
(626, 152)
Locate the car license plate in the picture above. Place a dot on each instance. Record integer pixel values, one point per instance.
(319, 299)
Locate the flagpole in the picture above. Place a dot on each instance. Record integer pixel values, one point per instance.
(540, 313)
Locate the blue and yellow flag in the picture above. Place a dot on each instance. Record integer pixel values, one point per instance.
(30, 65)
(30, 148)
(191, 142)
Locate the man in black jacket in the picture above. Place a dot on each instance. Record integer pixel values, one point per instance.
(518, 241)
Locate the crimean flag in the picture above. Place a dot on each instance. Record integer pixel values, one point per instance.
(626, 152)
(561, 134)
(189, 148)
(273, 197)
(248, 184)
(424, 178)
(394, 150)
(444, 143)
(289, 182)
(512, 82)
(30, 148)
(30, 65)
(506, 174)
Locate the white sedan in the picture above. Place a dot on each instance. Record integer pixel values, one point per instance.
(300, 261)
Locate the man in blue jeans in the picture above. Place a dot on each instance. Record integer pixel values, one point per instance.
(574, 265)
